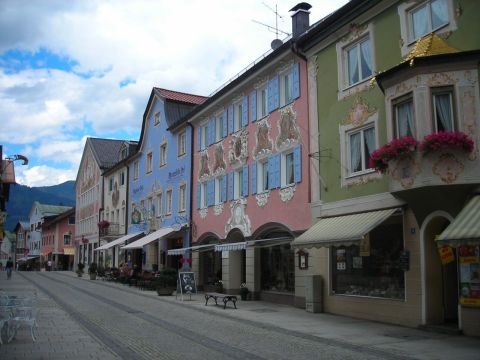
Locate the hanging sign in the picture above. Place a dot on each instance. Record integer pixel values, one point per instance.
(469, 259)
(446, 254)
(365, 246)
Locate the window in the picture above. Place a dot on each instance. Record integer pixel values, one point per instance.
(142, 210)
(262, 176)
(159, 204)
(287, 169)
(238, 184)
(427, 17)
(135, 170)
(122, 178)
(219, 185)
(373, 267)
(150, 214)
(286, 88)
(278, 260)
(110, 184)
(149, 162)
(218, 127)
(163, 154)
(203, 195)
(123, 153)
(403, 117)
(71, 220)
(157, 118)
(182, 198)
(361, 145)
(358, 62)
(203, 136)
(443, 109)
(237, 117)
(262, 97)
(182, 144)
(168, 202)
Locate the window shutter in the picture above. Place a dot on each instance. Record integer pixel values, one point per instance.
(224, 124)
(245, 111)
(273, 94)
(230, 119)
(199, 196)
(297, 163)
(245, 180)
(199, 138)
(230, 186)
(224, 188)
(254, 177)
(213, 130)
(296, 80)
(253, 105)
(274, 171)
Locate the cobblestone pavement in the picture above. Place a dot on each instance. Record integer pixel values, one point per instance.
(83, 319)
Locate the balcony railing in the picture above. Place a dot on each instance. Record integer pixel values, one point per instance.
(114, 229)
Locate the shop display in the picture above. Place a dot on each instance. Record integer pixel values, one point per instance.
(469, 265)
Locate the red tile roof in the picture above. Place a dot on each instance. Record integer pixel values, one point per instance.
(183, 97)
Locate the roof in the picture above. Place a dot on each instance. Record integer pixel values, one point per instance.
(429, 45)
(106, 151)
(180, 96)
(53, 219)
(52, 209)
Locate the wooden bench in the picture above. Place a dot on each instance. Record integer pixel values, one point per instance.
(224, 297)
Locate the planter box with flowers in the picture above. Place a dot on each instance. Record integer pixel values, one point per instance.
(393, 150)
(446, 140)
(103, 227)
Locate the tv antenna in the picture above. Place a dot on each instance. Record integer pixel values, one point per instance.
(276, 42)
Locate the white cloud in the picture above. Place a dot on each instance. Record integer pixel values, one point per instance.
(186, 45)
(43, 175)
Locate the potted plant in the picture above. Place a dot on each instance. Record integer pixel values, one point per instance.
(103, 224)
(447, 140)
(80, 268)
(392, 150)
(92, 271)
(244, 291)
(166, 281)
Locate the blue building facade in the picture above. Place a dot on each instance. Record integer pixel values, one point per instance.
(159, 181)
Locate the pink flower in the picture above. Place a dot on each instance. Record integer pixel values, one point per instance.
(455, 140)
(394, 149)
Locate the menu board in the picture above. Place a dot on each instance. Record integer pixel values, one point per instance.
(187, 283)
(469, 264)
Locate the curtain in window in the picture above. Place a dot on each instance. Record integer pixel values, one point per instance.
(419, 22)
(405, 119)
(439, 13)
(369, 139)
(366, 59)
(352, 65)
(443, 112)
(355, 154)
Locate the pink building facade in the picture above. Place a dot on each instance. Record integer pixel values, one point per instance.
(251, 179)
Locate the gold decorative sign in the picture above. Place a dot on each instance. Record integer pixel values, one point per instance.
(365, 246)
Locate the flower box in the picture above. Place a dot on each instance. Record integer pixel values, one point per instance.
(447, 140)
(392, 150)
(103, 224)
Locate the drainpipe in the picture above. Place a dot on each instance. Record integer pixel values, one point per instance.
(190, 235)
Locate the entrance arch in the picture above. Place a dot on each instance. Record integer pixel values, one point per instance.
(439, 282)
(209, 262)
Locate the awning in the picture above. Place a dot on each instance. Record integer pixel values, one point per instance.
(118, 241)
(231, 247)
(68, 251)
(341, 230)
(149, 238)
(465, 229)
(192, 248)
(26, 258)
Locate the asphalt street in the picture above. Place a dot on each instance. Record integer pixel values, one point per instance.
(84, 319)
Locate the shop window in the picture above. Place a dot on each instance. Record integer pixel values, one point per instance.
(278, 268)
(404, 119)
(443, 109)
(372, 268)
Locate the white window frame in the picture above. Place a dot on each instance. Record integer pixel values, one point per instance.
(163, 154)
(168, 202)
(442, 91)
(159, 200)
(364, 162)
(348, 178)
(262, 103)
(203, 195)
(218, 190)
(237, 116)
(397, 102)
(135, 170)
(182, 197)
(354, 39)
(203, 136)
(262, 168)
(286, 85)
(110, 184)
(182, 143)
(65, 237)
(405, 10)
(238, 184)
(283, 169)
(149, 162)
(149, 208)
(122, 178)
(156, 119)
(218, 127)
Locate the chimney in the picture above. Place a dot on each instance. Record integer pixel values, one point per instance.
(300, 18)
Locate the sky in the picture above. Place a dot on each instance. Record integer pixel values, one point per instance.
(76, 69)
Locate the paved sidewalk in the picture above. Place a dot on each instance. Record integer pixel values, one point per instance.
(67, 339)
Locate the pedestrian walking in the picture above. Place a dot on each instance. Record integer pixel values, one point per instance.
(49, 265)
(9, 268)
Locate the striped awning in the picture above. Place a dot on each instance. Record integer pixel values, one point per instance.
(465, 229)
(119, 241)
(341, 230)
(231, 247)
(191, 248)
(156, 235)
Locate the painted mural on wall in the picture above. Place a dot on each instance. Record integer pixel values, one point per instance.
(288, 132)
(264, 142)
(238, 152)
(204, 170)
(115, 195)
(219, 164)
(238, 218)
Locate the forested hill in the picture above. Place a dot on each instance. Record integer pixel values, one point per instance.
(22, 198)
